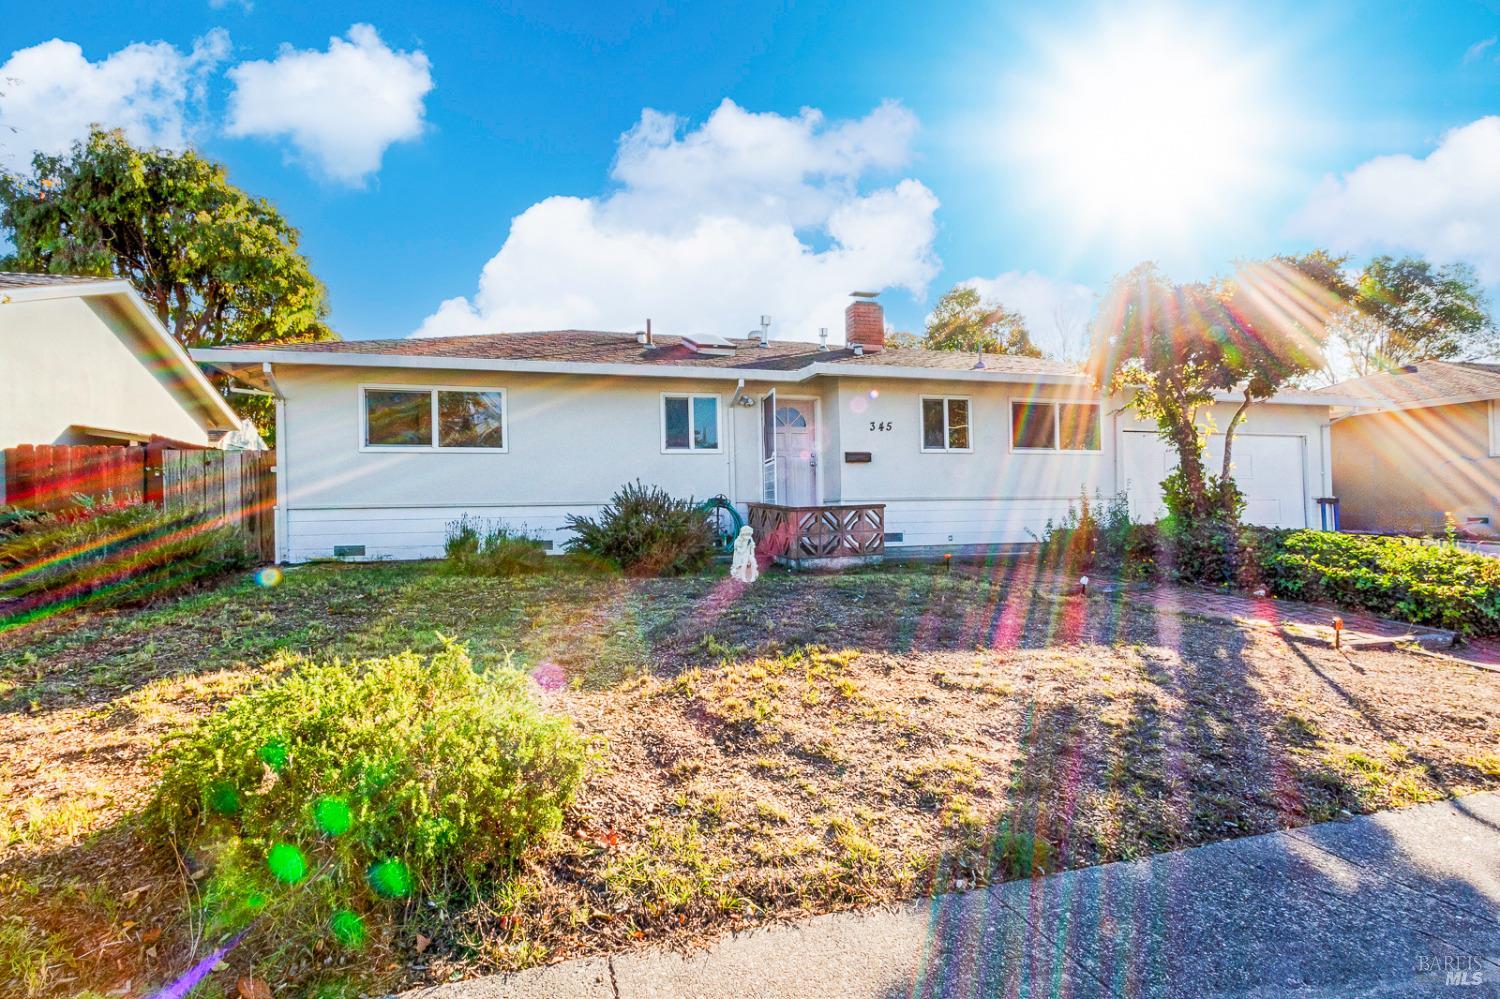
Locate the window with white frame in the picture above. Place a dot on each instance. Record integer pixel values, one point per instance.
(433, 419)
(689, 422)
(1055, 426)
(945, 424)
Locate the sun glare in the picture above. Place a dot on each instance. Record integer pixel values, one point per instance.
(1146, 130)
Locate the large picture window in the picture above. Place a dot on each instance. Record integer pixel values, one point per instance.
(434, 419)
(690, 423)
(945, 424)
(1055, 426)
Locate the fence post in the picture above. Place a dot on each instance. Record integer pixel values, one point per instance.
(153, 486)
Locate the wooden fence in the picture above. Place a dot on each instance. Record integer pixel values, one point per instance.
(235, 487)
(231, 487)
(50, 476)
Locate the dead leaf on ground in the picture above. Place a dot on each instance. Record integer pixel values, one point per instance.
(252, 988)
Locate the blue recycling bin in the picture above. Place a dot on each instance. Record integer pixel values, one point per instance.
(1328, 512)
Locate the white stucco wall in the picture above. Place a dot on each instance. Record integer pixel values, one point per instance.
(986, 495)
(76, 361)
(572, 440)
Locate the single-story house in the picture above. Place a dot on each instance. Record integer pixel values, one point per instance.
(85, 361)
(1425, 442)
(383, 443)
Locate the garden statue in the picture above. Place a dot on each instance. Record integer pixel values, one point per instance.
(743, 567)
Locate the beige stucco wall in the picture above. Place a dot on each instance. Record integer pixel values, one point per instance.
(1401, 471)
(68, 362)
(573, 439)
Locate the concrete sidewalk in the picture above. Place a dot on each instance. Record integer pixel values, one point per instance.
(1402, 903)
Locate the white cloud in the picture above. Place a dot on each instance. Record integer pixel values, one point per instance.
(1478, 49)
(710, 227)
(1445, 206)
(1057, 312)
(50, 94)
(340, 109)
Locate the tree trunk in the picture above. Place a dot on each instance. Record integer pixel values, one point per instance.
(1184, 435)
(1226, 484)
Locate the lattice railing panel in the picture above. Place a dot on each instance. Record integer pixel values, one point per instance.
(836, 531)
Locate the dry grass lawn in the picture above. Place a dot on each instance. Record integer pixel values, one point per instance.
(813, 743)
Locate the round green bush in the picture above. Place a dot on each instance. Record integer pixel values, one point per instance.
(386, 778)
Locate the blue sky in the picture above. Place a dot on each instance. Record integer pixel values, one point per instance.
(949, 172)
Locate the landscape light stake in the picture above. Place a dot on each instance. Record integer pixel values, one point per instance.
(1338, 633)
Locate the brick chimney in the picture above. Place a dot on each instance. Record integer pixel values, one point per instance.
(864, 322)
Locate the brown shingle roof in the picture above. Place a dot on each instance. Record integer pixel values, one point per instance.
(593, 347)
(1424, 383)
(15, 279)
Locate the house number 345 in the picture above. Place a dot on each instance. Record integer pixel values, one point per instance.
(881, 426)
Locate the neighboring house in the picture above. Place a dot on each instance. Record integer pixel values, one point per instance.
(383, 443)
(1423, 443)
(84, 361)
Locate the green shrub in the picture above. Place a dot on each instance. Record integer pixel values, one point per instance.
(1410, 579)
(1092, 531)
(1419, 581)
(1224, 495)
(324, 800)
(1211, 552)
(646, 532)
(107, 552)
(498, 550)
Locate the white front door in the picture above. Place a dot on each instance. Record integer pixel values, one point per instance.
(1268, 468)
(796, 452)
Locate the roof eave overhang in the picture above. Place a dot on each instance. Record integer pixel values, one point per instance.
(241, 360)
(1369, 407)
(1292, 398)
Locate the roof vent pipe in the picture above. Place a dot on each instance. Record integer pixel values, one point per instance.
(765, 331)
(823, 338)
(649, 341)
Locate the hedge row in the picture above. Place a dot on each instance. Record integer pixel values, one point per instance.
(1423, 582)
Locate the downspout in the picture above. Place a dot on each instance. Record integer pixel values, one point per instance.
(731, 451)
(278, 519)
(1325, 448)
(1117, 440)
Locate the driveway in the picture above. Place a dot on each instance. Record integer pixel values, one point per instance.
(1403, 903)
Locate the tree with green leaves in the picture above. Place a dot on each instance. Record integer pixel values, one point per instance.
(963, 320)
(216, 265)
(1179, 348)
(1400, 310)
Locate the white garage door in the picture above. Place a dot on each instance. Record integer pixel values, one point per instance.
(1267, 467)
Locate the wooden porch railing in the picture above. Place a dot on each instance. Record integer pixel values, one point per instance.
(833, 531)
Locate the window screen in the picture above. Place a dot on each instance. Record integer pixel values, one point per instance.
(471, 419)
(1033, 426)
(705, 422)
(933, 424)
(395, 418)
(1078, 426)
(958, 424)
(679, 432)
